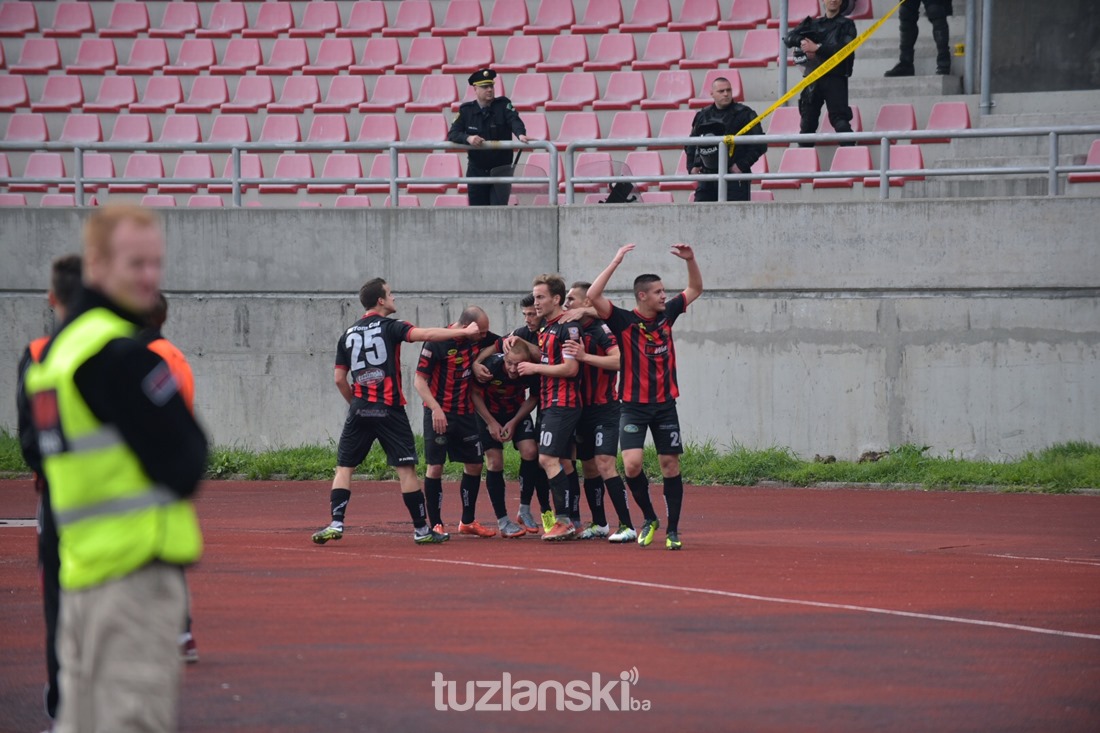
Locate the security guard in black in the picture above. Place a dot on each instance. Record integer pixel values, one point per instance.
(724, 117)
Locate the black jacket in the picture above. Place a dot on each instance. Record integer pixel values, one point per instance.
(498, 121)
(833, 34)
(729, 121)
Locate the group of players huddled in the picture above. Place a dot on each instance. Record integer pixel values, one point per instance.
(597, 376)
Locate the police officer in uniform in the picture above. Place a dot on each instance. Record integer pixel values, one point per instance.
(937, 12)
(819, 38)
(724, 117)
(488, 117)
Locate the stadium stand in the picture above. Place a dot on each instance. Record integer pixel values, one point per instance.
(38, 55)
(367, 18)
(625, 89)
(436, 92)
(696, 15)
(649, 16)
(345, 93)
(319, 19)
(226, 21)
(506, 17)
(179, 20)
(128, 20)
(60, 94)
(299, 93)
(272, 20)
(473, 53)
(600, 17)
(81, 128)
(253, 94)
(672, 90)
(413, 18)
(379, 56)
(566, 53)
(195, 55)
(288, 56)
(147, 56)
(746, 15)
(664, 50)
(333, 56)
(577, 91)
(551, 19)
(614, 52)
(40, 165)
(390, 93)
(795, 160)
(520, 54)
(855, 159)
(241, 56)
(18, 20)
(189, 165)
(71, 20)
(462, 19)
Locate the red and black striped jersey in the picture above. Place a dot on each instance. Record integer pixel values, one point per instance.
(558, 391)
(371, 351)
(448, 367)
(648, 355)
(502, 394)
(524, 332)
(598, 385)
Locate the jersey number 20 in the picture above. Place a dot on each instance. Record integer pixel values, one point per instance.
(367, 347)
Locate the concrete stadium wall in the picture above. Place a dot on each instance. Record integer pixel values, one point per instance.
(972, 327)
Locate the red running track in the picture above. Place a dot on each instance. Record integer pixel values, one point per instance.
(788, 610)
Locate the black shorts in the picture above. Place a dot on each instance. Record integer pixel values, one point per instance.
(461, 443)
(660, 418)
(525, 430)
(368, 422)
(556, 428)
(598, 431)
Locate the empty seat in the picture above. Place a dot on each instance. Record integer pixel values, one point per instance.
(947, 116)
(352, 201)
(116, 93)
(38, 55)
(12, 199)
(71, 20)
(179, 20)
(272, 21)
(41, 165)
(761, 196)
(180, 130)
(566, 53)
(290, 165)
(139, 166)
(696, 15)
(338, 165)
(205, 201)
(97, 166)
(795, 160)
(649, 15)
(430, 128)
(288, 56)
(551, 19)
(577, 126)
(195, 55)
(367, 18)
(657, 197)
(438, 165)
(127, 21)
(462, 19)
(663, 50)
(676, 123)
(530, 91)
(345, 93)
(615, 51)
(328, 129)
(796, 11)
(321, 18)
(17, 20)
(855, 159)
(13, 93)
(226, 21)
(900, 117)
(857, 122)
(473, 53)
(630, 126)
(60, 94)
(380, 168)
(436, 92)
(537, 128)
(732, 75)
(253, 94)
(451, 200)
(760, 48)
(746, 15)
(147, 56)
(506, 17)
(600, 17)
(208, 93)
(712, 48)
(230, 128)
(251, 168)
(27, 127)
(672, 90)
(299, 93)
(132, 129)
(162, 93)
(379, 56)
(404, 201)
(57, 199)
(333, 56)
(241, 56)
(193, 166)
(541, 162)
(625, 89)
(593, 164)
(390, 93)
(520, 54)
(81, 128)
(784, 121)
(576, 91)
(425, 55)
(379, 129)
(281, 129)
(158, 201)
(413, 18)
(95, 56)
(1093, 158)
(902, 157)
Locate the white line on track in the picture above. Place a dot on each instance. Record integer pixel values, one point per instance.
(1067, 560)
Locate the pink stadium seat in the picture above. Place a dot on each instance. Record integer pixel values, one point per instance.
(12, 199)
(380, 55)
(162, 93)
(630, 126)
(696, 15)
(226, 21)
(27, 127)
(95, 56)
(649, 16)
(116, 93)
(551, 18)
(795, 160)
(902, 157)
(281, 129)
(430, 128)
(299, 94)
(208, 93)
(537, 127)
(379, 129)
(462, 19)
(473, 53)
(520, 54)
(615, 51)
(436, 92)
(71, 20)
(390, 93)
(566, 53)
(672, 90)
(230, 128)
(746, 15)
(57, 199)
(241, 56)
(205, 201)
(380, 168)
(657, 197)
(195, 55)
(127, 21)
(404, 201)
(857, 122)
(132, 129)
(367, 18)
(13, 93)
(96, 166)
(625, 89)
(147, 56)
(663, 50)
(158, 201)
(413, 18)
(761, 47)
(438, 165)
(862, 10)
(796, 11)
(333, 56)
(288, 56)
(38, 55)
(345, 93)
(290, 165)
(592, 164)
(761, 197)
(577, 126)
(471, 95)
(576, 91)
(321, 18)
(180, 130)
(60, 94)
(542, 162)
(338, 165)
(179, 20)
(783, 121)
(139, 165)
(676, 123)
(1093, 158)
(704, 99)
(426, 54)
(896, 118)
(530, 91)
(506, 17)
(41, 165)
(17, 20)
(251, 167)
(253, 94)
(947, 116)
(272, 21)
(451, 200)
(711, 49)
(348, 202)
(328, 129)
(856, 159)
(189, 165)
(761, 165)
(600, 17)
(81, 128)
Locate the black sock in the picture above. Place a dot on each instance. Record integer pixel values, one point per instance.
(414, 502)
(616, 491)
(433, 499)
(528, 477)
(542, 489)
(559, 489)
(494, 484)
(338, 500)
(639, 489)
(674, 498)
(470, 486)
(593, 492)
(575, 495)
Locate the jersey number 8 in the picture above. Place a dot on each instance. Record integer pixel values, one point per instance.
(367, 347)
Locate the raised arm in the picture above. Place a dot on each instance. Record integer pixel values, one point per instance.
(442, 334)
(595, 290)
(695, 278)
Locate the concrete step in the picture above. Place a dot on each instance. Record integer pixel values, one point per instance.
(976, 187)
(904, 88)
(1006, 161)
(1063, 102)
(1019, 146)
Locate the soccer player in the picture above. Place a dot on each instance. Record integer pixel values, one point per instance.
(369, 352)
(443, 381)
(559, 400)
(649, 389)
(505, 407)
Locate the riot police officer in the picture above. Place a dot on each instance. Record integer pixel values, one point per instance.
(724, 117)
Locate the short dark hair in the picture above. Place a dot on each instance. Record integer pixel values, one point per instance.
(720, 78)
(371, 292)
(582, 284)
(470, 315)
(554, 283)
(527, 301)
(65, 273)
(642, 282)
(159, 313)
